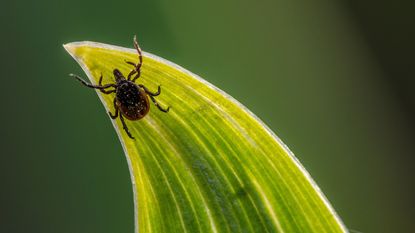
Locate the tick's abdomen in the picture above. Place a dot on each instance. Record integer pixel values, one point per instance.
(132, 101)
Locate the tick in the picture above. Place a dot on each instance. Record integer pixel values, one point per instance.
(131, 100)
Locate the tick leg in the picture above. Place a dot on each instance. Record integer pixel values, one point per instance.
(107, 91)
(100, 80)
(130, 74)
(102, 90)
(101, 87)
(140, 57)
(137, 66)
(136, 76)
(136, 71)
(149, 92)
(125, 127)
(131, 63)
(152, 94)
(158, 105)
(116, 111)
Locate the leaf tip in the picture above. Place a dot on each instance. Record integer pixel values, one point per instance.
(69, 47)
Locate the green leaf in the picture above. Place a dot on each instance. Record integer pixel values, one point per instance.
(208, 165)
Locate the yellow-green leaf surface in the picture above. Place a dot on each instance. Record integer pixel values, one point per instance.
(209, 165)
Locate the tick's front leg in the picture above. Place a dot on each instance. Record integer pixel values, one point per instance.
(137, 67)
(101, 87)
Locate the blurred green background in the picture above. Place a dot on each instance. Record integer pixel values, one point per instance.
(333, 78)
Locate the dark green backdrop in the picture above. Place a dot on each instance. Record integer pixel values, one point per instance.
(332, 78)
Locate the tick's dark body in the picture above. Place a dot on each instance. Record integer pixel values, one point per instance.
(131, 100)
